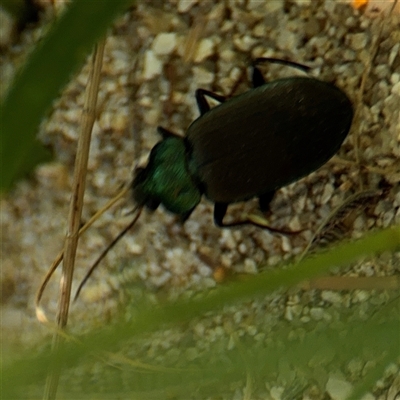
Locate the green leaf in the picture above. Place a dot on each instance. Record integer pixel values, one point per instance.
(59, 54)
(350, 338)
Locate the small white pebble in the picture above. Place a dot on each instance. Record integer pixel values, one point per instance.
(250, 267)
(205, 49)
(286, 245)
(251, 330)
(244, 43)
(358, 41)
(293, 311)
(360, 296)
(288, 314)
(393, 53)
(273, 260)
(327, 193)
(380, 383)
(226, 260)
(317, 313)
(355, 366)
(331, 297)
(237, 317)
(276, 392)
(338, 388)
(395, 78)
(396, 89)
(287, 40)
(199, 329)
(392, 369)
(151, 116)
(231, 343)
(294, 224)
(185, 5)
(227, 55)
(202, 76)
(368, 396)
(259, 30)
(272, 6)
(204, 270)
(164, 43)
(152, 66)
(242, 248)
(154, 269)
(227, 239)
(134, 248)
(145, 101)
(160, 280)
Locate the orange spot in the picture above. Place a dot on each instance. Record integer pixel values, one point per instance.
(359, 3)
(220, 274)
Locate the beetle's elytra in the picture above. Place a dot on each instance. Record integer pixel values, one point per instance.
(248, 146)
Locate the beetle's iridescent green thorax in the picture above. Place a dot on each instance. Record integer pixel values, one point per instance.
(166, 179)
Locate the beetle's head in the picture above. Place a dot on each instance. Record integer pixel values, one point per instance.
(166, 180)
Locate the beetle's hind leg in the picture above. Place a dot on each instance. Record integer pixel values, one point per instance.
(264, 200)
(257, 78)
(202, 102)
(219, 214)
(221, 208)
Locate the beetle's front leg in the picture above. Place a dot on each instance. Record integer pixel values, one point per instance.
(202, 102)
(257, 78)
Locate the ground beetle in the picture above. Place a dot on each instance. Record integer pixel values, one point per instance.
(248, 146)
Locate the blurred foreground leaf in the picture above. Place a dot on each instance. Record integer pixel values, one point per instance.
(59, 54)
(378, 335)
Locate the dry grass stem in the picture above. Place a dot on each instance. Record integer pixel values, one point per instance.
(74, 219)
(40, 314)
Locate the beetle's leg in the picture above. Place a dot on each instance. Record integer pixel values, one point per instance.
(185, 216)
(272, 60)
(152, 204)
(264, 200)
(219, 213)
(202, 103)
(165, 133)
(257, 78)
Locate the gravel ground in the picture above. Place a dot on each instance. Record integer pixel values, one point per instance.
(155, 58)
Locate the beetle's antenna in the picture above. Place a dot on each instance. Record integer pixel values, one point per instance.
(107, 249)
(39, 312)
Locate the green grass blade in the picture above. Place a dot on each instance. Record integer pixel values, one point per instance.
(60, 53)
(30, 368)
